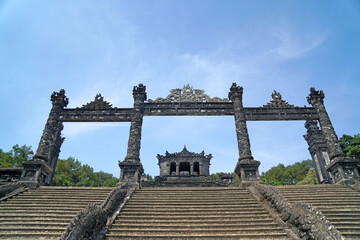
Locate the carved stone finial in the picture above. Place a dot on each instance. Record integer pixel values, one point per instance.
(277, 101)
(187, 94)
(315, 96)
(235, 92)
(98, 103)
(59, 98)
(140, 92)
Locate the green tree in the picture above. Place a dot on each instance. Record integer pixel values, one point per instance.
(15, 156)
(71, 172)
(310, 178)
(289, 175)
(351, 146)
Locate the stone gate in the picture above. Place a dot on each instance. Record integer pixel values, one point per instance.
(330, 162)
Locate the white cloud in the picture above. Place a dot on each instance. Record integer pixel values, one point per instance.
(292, 46)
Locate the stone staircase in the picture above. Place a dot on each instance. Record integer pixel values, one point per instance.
(45, 212)
(194, 213)
(339, 204)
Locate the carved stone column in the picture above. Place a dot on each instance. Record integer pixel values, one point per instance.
(247, 167)
(342, 169)
(177, 169)
(318, 151)
(41, 168)
(191, 169)
(201, 169)
(131, 167)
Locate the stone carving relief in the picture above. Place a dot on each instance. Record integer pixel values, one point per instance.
(187, 94)
(98, 103)
(277, 101)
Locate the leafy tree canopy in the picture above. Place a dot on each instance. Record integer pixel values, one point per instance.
(289, 175)
(71, 172)
(15, 156)
(351, 146)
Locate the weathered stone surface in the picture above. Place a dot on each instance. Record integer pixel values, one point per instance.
(247, 167)
(308, 222)
(90, 221)
(184, 164)
(8, 188)
(98, 103)
(318, 151)
(342, 169)
(277, 101)
(49, 145)
(187, 94)
(10, 175)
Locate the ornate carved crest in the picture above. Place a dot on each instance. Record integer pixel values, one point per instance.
(98, 103)
(187, 94)
(184, 153)
(277, 101)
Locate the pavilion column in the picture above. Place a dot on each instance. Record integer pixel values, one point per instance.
(342, 169)
(191, 169)
(247, 167)
(131, 167)
(318, 151)
(41, 168)
(177, 169)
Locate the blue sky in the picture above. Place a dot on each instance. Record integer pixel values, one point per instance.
(89, 47)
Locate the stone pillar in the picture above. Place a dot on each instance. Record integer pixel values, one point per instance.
(247, 167)
(343, 170)
(177, 169)
(191, 169)
(318, 151)
(201, 169)
(41, 168)
(131, 167)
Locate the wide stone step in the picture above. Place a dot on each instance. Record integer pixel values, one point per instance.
(61, 197)
(182, 202)
(322, 199)
(185, 230)
(196, 225)
(30, 236)
(195, 198)
(204, 220)
(187, 208)
(190, 214)
(32, 215)
(30, 219)
(47, 201)
(30, 228)
(355, 212)
(45, 224)
(47, 204)
(190, 189)
(38, 211)
(194, 212)
(223, 217)
(38, 207)
(207, 235)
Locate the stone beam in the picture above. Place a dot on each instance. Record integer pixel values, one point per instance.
(188, 109)
(96, 115)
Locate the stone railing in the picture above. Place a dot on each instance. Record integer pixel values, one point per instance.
(10, 188)
(89, 222)
(302, 217)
